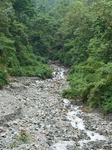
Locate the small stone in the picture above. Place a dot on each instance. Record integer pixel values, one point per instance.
(15, 123)
(49, 142)
(37, 146)
(92, 134)
(88, 138)
(96, 131)
(36, 129)
(3, 135)
(1, 130)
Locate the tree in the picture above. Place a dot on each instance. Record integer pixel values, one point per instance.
(25, 7)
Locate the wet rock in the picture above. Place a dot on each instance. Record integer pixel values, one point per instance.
(49, 142)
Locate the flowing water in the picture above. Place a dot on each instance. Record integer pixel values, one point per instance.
(50, 121)
(77, 123)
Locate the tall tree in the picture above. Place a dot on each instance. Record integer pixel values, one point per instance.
(24, 6)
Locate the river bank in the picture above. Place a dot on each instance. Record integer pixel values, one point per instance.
(36, 108)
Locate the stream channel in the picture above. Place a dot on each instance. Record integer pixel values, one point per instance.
(34, 107)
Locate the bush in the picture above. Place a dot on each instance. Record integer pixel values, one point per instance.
(42, 59)
(16, 71)
(3, 78)
(92, 85)
(43, 72)
(68, 93)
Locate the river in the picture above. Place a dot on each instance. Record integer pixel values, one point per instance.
(50, 122)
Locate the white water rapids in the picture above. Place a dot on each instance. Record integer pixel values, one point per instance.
(76, 122)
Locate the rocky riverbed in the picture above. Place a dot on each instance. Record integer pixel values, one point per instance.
(34, 116)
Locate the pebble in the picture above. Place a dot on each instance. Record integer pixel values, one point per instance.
(42, 115)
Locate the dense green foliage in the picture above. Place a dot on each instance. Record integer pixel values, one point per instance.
(17, 58)
(3, 77)
(90, 54)
(77, 32)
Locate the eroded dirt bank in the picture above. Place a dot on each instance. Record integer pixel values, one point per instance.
(36, 108)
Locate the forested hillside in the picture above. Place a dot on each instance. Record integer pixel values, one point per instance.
(77, 32)
(19, 38)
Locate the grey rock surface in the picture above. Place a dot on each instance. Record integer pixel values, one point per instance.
(35, 107)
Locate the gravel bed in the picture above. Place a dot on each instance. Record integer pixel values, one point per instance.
(33, 108)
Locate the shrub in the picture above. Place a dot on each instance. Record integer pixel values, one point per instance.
(3, 77)
(16, 71)
(43, 72)
(68, 93)
(92, 85)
